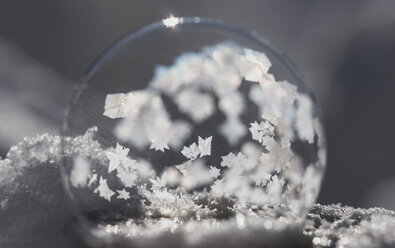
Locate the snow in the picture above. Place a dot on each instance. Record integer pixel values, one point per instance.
(214, 172)
(233, 130)
(188, 100)
(117, 157)
(123, 194)
(80, 172)
(204, 146)
(103, 190)
(261, 131)
(191, 152)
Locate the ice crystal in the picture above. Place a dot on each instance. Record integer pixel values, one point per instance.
(214, 172)
(159, 182)
(205, 146)
(115, 106)
(80, 172)
(116, 157)
(188, 101)
(191, 152)
(123, 194)
(228, 160)
(103, 190)
(233, 130)
(262, 132)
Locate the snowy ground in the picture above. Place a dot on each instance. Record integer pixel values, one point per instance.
(34, 212)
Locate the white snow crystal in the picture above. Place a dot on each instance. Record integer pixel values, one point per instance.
(262, 130)
(191, 152)
(127, 176)
(159, 145)
(205, 146)
(80, 172)
(304, 119)
(214, 172)
(123, 194)
(228, 160)
(233, 130)
(196, 175)
(182, 168)
(116, 157)
(159, 182)
(199, 106)
(115, 106)
(180, 130)
(232, 104)
(103, 189)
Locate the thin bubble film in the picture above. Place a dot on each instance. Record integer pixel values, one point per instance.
(213, 143)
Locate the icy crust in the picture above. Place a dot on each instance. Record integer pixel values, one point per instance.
(342, 226)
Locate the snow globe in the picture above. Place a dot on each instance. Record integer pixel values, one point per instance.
(189, 129)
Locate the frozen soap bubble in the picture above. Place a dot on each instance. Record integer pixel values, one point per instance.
(200, 127)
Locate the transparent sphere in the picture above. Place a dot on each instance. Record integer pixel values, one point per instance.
(191, 126)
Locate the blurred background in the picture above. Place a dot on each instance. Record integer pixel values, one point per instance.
(345, 49)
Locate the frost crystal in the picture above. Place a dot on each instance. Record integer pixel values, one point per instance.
(262, 132)
(214, 172)
(158, 182)
(233, 130)
(123, 194)
(103, 190)
(116, 157)
(205, 146)
(191, 152)
(115, 106)
(80, 172)
(228, 160)
(199, 106)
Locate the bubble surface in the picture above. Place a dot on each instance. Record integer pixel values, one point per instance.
(202, 128)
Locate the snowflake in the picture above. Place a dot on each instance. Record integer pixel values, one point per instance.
(180, 130)
(103, 190)
(191, 152)
(182, 168)
(159, 129)
(115, 106)
(159, 145)
(128, 177)
(199, 106)
(80, 172)
(232, 160)
(261, 177)
(233, 130)
(159, 182)
(123, 194)
(196, 175)
(231, 104)
(116, 157)
(214, 172)
(261, 131)
(205, 146)
(228, 160)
